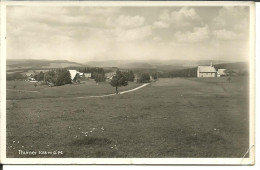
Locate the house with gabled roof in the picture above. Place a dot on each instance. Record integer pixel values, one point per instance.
(73, 73)
(206, 71)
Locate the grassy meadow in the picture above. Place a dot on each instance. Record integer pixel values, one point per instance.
(178, 117)
(27, 90)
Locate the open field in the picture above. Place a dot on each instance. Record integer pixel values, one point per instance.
(170, 118)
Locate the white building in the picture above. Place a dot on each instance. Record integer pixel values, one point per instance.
(73, 73)
(110, 75)
(221, 72)
(81, 75)
(87, 75)
(206, 71)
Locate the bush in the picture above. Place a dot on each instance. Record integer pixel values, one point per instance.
(63, 77)
(144, 78)
(99, 78)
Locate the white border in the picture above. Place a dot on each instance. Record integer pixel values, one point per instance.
(186, 161)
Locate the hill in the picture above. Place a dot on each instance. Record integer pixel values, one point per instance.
(39, 64)
(238, 65)
(153, 64)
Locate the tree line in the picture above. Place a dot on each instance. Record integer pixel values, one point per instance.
(61, 76)
(121, 78)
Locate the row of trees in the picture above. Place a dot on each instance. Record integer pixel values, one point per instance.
(129, 75)
(100, 76)
(95, 72)
(57, 77)
(122, 78)
(190, 72)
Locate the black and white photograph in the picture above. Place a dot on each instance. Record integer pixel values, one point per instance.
(127, 82)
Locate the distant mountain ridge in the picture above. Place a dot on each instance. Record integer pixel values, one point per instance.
(161, 65)
(153, 64)
(236, 65)
(31, 63)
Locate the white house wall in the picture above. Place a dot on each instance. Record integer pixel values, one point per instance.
(87, 75)
(206, 75)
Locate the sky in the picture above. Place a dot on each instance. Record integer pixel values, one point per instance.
(82, 34)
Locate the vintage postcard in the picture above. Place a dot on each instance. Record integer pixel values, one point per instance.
(127, 82)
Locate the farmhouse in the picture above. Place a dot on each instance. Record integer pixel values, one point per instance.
(73, 73)
(206, 71)
(30, 74)
(221, 72)
(87, 75)
(110, 75)
(31, 79)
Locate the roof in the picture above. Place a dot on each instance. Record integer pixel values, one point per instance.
(73, 73)
(110, 74)
(207, 69)
(29, 73)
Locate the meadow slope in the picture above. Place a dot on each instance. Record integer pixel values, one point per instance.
(170, 118)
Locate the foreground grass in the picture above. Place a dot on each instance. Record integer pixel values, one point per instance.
(170, 118)
(26, 90)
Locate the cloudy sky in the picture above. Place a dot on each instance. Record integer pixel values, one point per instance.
(127, 33)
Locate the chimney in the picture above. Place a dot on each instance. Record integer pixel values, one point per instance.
(210, 64)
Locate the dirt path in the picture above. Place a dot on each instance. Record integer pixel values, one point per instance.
(113, 94)
(123, 92)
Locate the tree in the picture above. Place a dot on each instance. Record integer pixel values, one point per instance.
(50, 76)
(76, 78)
(35, 76)
(119, 80)
(229, 79)
(99, 78)
(154, 75)
(63, 77)
(144, 78)
(40, 76)
(131, 76)
(57, 77)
